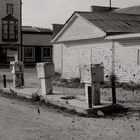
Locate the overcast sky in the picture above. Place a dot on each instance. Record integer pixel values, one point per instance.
(43, 13)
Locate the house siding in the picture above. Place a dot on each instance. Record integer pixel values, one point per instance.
(73, 57)
(58, 57)
(82, 54)
(80, 28)
(126, 54)
(126, 67)
(102, 53)
(84, 44)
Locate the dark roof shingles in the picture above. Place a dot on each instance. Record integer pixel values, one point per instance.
(129, 10)
(114, 22)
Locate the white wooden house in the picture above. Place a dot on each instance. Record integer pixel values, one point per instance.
(99, 37)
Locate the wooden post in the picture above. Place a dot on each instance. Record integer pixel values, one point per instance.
(113, 78)
(4, 81)
(110, 4)
(22, 79)
(96, 93)
(62, 57)
(89, 97)
(21, 36)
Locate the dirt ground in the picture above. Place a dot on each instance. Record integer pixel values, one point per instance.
(20, 120)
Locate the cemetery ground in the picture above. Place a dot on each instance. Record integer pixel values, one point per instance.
(26, 120)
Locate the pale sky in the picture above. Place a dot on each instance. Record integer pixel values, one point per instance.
(43, 13)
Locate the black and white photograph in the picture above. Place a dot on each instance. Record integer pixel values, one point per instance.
(69, 70)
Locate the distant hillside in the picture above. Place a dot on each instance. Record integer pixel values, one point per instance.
(129, 10)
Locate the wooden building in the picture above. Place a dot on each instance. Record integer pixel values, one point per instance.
(10, 30)
(36, 45)
(112, 39)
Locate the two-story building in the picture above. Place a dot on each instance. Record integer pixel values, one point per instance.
(10, 30)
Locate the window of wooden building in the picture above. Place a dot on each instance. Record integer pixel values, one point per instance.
(46, 53)
(9, 8)
(29, 52)
(9, 29)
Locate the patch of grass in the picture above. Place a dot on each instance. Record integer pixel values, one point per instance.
(75, 80)
(57, 77)
(68, 97)
(12, 95)
(117, 110)
(64, 81)
(36, 97)
(70, 83)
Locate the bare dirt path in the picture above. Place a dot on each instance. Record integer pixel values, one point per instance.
(19, 120)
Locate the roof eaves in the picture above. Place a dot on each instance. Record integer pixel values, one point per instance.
(123, 36)
(76, 13)
(64, 27)
(41, 33)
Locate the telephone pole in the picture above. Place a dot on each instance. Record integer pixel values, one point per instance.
(110, 2)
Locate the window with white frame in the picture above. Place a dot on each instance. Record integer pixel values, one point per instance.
(138, 57)
(46, 53)
(29, 52)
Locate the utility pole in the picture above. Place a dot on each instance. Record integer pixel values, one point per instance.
(20, 52)
(113, 77)
(110, 2)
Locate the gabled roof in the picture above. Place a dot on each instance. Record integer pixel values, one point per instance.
(113, 23)
(109, 22)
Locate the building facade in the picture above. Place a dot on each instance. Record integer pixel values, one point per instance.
(10, 30)
(36, 45)
(93, 38)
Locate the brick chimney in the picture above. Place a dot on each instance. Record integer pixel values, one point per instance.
(102, 9)
(56, 29)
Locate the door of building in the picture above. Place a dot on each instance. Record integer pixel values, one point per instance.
(37, 54)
